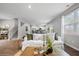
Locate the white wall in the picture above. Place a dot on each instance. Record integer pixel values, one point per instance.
(7, 22)
(72, 40)
(56, 23)
(13, 29)
(22, 29)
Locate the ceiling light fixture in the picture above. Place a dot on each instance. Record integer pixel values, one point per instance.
(29, 6)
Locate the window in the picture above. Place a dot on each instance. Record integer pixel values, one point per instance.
(69, 19)
(71, 22)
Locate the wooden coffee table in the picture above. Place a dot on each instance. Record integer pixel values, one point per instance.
(29, 51)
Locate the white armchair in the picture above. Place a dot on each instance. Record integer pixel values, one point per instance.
(58, 43)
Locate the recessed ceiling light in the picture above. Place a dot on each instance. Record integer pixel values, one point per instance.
(29, 6)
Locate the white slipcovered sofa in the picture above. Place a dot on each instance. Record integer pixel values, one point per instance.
(38, 41)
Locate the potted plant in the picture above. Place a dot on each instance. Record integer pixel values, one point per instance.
(49, 45)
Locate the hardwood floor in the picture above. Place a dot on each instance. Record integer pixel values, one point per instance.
(9, 47)
(71, 51)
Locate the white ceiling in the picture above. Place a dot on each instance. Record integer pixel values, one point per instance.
(39, 13)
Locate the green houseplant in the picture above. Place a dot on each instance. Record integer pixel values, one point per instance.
(49, 45)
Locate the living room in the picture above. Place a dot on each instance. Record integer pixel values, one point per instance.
(39, 29)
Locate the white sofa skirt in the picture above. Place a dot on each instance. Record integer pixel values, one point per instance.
(34, 43)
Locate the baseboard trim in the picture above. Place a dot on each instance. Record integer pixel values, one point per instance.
(72, 46)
